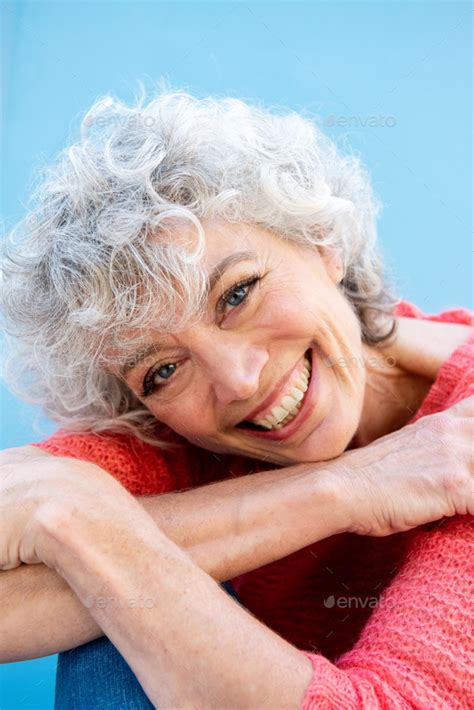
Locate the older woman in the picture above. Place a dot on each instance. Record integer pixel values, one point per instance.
(196, 297)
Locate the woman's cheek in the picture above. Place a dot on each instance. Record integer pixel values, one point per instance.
(285, 316)
(191, 419)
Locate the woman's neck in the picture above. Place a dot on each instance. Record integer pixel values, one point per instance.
(400, 375)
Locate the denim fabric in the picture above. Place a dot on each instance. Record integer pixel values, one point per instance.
(95, 676)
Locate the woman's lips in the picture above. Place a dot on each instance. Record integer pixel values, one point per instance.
(282, 388)
(309, 403)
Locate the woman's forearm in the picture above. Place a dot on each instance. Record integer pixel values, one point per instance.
(41, 615)
(190, 645)
(237, 525)
(227, 528)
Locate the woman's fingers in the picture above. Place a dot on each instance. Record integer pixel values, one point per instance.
(31, 479)
(416, 475)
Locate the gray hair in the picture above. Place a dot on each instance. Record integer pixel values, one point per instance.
(91, 264)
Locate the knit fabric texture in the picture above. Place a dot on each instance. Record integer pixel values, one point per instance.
(385, 622)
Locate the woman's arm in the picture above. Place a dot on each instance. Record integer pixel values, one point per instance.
(191, 646)
(234, 526)
(228, 528)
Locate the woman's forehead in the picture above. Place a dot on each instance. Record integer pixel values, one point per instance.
(223, 238)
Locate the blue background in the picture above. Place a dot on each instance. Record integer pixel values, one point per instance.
(390, 78)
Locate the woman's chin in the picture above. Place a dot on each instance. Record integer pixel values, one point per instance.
(329, 440)
(323, 445)
(329, 437)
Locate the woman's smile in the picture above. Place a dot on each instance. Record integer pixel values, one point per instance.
(289, 406)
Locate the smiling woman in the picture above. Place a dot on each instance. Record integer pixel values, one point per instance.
(197, 296)
(115, 245)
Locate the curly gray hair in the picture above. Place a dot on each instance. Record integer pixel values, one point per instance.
(82, 275)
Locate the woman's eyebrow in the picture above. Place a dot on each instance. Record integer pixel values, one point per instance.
(152, 348)
(226, 263)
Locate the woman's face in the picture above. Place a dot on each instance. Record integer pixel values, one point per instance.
(273, 313)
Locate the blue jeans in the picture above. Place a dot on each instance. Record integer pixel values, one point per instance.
(95, 676)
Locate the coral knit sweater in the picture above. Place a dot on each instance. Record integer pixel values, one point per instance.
(386, 622)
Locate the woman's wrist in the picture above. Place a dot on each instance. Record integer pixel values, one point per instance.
(330, 502)
(87, 544)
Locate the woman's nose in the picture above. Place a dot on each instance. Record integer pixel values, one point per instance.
(236, 372)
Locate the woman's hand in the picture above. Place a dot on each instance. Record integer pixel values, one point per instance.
(419, 474)
(32, 482)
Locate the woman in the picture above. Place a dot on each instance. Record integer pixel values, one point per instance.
(202, 295)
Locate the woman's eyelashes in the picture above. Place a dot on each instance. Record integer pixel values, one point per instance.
(234, 297)
(237, 294)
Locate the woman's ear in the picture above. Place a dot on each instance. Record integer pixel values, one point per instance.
(333, 264)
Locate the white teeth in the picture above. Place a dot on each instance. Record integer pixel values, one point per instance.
(297, 394)
(263, 423)
(290, 403)
(279, 413)
(288, 419)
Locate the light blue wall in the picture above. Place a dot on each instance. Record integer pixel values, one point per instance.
(403, 66)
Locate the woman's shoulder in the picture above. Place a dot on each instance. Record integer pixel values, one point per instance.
(445, 343)
(426, 341)
(458, 314)
(143, 468)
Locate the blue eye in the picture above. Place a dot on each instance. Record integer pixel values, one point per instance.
(236, 297)
(165, 371)
(238, 293)
(149, 384)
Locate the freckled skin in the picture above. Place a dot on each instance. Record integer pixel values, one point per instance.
(227, 365)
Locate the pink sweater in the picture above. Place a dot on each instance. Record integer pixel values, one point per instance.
(386, 622)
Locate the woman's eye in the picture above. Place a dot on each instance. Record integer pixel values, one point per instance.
(165, 371)
(150, 384)
(236, 297)
(237, 294)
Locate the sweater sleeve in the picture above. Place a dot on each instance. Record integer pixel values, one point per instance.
(142, 468)
(417, 648)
